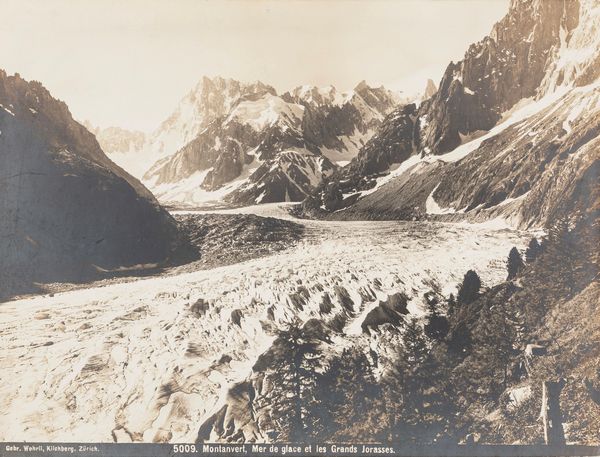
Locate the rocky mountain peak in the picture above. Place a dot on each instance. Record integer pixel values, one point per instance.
(498, 71)
(362, 86)
(430, 89)
(379, 98)
(210, 99)
(218, 84)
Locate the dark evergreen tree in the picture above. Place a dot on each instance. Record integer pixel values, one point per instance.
(566, 255)
(494, 349)
(405, 384)
(353, 400)
(514, 264)
(533, 250)
(415, 344)
(436, 325)
(332, 197)
(451, 304)
(295, 382)
(460, 340)
(468, 291)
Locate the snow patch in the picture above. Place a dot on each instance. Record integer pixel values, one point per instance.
(7, 110)
(266, 111)
(433, 208)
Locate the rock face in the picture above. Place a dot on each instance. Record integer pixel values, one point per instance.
(340, 124)
(511, 131)
(67, 211)
(503, 68)
(267, 148)
(209, 100)
(393, 143)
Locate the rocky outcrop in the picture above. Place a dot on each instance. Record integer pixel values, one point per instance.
(67, 211)
(430, 90)
(393, 143)
(291, 176)
(217, 149)
(390, 311)
(340, 124)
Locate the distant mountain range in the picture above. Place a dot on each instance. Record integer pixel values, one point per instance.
(246, 144)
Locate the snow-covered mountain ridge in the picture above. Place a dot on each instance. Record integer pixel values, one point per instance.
(269, 148)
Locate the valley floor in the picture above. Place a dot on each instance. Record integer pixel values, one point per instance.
(136, 361)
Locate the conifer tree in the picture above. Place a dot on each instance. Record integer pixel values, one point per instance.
(495, 338)
(353, 400)
(468, 291)
(451, 303)
(436, 326)
(295, 381)
(533, 250)
(514, 264)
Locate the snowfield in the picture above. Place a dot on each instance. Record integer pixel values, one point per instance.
(133, 361)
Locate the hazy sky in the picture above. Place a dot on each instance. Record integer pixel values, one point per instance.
(128, 62)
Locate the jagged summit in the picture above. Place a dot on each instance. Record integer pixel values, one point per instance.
(232, 87)
(314, 94)
(210, 99)
(430, 89)
(497, 72)
(265, 147)
(362, 85)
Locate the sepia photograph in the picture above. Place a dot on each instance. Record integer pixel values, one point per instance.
(299, 228)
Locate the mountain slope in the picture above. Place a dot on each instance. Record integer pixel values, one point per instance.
(67, 211)
(503, 68)
(532, 171)
(511, 132)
